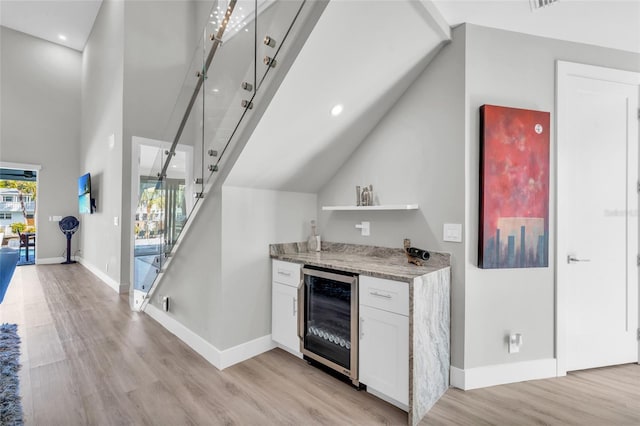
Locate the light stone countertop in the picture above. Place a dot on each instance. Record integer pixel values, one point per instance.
(380, 262)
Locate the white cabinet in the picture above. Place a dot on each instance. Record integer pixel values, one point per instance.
(284, 305)
(284, 318)
(384, 339)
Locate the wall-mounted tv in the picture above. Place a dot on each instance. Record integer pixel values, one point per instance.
(86, 204)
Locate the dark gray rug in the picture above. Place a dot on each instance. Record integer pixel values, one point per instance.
(10, 405)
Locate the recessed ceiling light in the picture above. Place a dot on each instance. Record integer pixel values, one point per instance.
(62, 37)
(215, 90)
(337, 110)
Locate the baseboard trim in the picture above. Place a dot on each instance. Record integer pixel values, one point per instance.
(49, 260)
(291, 351)
(195, 342)
(382, 396)
(492, 375)
(115, 286)
(219, 359)
(244, 351)
(456, 378)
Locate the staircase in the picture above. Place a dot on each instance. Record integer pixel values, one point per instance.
(245, 51)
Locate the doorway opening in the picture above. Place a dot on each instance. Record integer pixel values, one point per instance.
(161, 207)
(18, 194)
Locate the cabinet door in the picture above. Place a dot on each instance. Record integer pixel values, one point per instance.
(384, 352)
(284, 316)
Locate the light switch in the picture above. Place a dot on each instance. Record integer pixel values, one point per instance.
(115, 220)
(452, 232)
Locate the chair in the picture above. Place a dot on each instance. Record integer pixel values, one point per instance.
(27, 239)
(9, 257)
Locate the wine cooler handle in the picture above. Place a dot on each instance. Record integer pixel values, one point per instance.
(301, 309)
(361, 328)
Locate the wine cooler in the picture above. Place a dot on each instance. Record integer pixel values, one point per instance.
(328, 319)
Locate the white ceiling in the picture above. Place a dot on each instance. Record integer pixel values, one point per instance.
(609, 23)
(48, 19)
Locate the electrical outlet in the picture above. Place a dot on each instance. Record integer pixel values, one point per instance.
(515, 341)
(165, 303)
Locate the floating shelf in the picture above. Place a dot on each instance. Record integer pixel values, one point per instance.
(382, 207)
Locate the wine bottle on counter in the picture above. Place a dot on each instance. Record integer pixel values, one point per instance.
(418, 253)
(313, 244)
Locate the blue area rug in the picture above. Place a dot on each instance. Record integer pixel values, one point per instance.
(10, 404)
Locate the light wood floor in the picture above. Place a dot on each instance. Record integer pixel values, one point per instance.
(87, 359)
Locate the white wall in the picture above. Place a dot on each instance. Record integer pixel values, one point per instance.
(252, 219)
(425, 150)
(192, 280)
(415, 154)
(219, 282)
(101, 146)
(40, 124)
(512, 69)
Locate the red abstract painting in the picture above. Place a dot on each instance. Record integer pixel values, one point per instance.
(514, 188)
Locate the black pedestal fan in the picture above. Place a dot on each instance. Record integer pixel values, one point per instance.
(69, 226)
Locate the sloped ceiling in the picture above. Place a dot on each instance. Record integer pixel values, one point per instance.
(362, 61)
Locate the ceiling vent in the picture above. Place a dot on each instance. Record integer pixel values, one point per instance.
(539, 4)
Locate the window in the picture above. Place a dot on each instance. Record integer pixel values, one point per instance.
(5, 215)
(7, 198)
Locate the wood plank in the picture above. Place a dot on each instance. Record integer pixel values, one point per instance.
(603, 396)
(88, 359)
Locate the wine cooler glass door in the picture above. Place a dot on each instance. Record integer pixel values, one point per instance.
(329, 314)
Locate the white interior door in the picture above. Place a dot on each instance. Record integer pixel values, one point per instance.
(597, 272)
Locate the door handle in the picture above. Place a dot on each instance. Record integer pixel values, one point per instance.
(571, 259)
(375, 293)
(300, 301)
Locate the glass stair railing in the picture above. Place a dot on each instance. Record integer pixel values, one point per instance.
(239, 48)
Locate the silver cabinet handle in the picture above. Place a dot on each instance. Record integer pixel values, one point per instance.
(375, 293)
(571, 259)
(300, 300)
(285, 273)
(295, 303)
